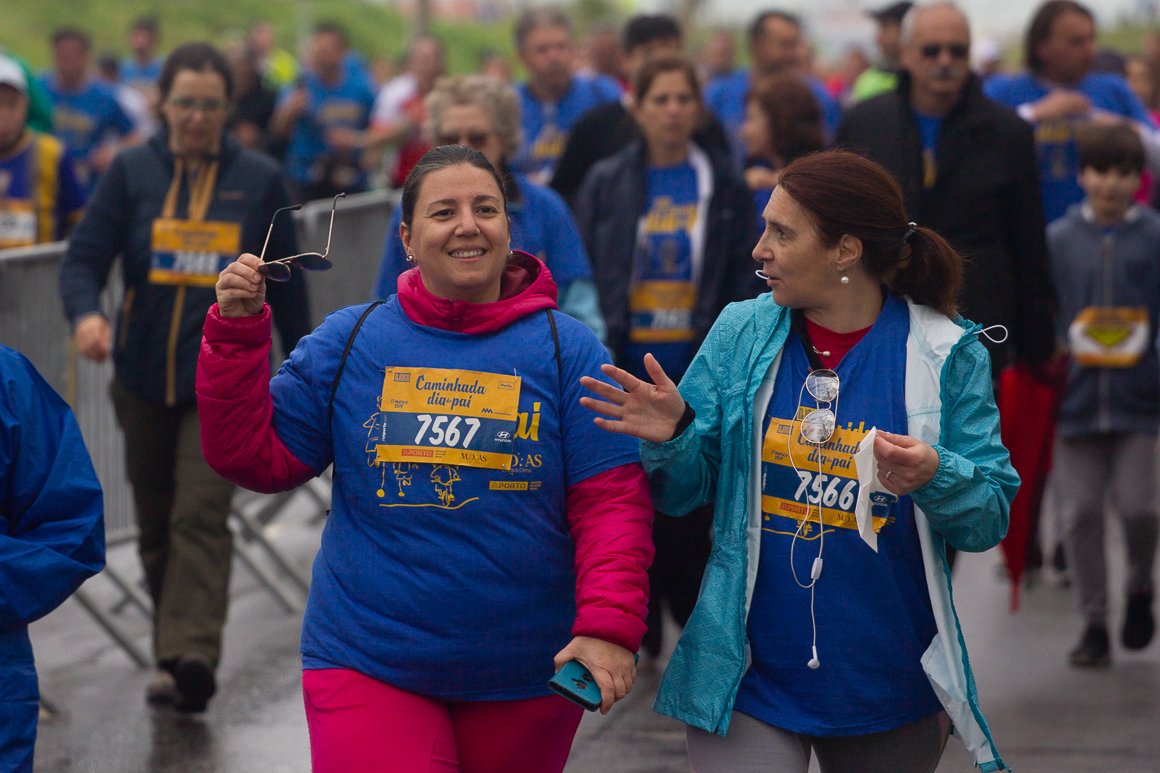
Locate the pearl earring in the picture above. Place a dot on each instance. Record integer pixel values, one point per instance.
(411, 259)
(845, 279)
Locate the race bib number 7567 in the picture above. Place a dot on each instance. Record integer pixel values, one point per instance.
(448, 416)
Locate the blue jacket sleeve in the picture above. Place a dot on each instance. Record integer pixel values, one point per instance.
(968, 501)
(52, 535)
(95, 243)
(683, 471)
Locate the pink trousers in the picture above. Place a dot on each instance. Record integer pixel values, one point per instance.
(361, 724)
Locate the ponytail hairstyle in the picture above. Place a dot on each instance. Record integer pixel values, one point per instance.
(846, 194)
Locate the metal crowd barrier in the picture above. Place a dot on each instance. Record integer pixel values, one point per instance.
(32, 322)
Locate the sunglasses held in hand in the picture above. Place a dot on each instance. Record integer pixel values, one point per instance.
(279, 270)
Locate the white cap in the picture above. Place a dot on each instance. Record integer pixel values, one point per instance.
(986, 51)
(12, 74)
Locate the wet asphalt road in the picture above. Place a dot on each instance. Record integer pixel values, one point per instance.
(1045, 715)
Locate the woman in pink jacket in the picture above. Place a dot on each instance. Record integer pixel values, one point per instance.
(483, 531)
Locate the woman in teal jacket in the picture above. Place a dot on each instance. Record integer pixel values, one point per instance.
(845, 429)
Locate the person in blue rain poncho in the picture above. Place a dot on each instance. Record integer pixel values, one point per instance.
(52, 535)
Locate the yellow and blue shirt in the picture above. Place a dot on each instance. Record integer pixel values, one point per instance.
(663, 291)
(873, 612)
(449, 540)
(40, 199)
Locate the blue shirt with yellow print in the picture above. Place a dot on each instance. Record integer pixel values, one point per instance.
(40, 199)
(872, 609)
(663, 292)
(448, 541)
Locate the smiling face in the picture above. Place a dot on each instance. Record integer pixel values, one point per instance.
(195, 110)
(459, 234)
(802, 269)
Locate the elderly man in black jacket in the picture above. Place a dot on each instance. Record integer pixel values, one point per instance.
(967, 168)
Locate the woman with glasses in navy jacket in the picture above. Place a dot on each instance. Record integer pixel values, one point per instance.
(176, 210)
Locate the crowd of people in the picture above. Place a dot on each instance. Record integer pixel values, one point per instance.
(618, 302)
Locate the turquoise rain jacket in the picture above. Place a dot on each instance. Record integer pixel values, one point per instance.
(949, 405)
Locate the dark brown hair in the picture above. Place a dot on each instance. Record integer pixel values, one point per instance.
(442, 157)
(793, 113)
(1106, 146)
(660, 65)
(1039, 29)
(845, 194)
(199, 57)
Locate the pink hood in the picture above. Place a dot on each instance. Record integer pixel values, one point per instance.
(525, 288)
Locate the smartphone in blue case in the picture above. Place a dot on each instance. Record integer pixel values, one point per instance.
(576, 683)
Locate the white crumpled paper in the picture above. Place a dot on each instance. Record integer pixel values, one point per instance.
(867, 468)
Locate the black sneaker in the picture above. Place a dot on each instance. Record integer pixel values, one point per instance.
(1093, 650)
(195, 683)
(1139, 625)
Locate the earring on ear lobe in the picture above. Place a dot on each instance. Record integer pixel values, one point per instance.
(410, 258)
(845, 279)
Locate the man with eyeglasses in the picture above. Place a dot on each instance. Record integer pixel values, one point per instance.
(967, 170)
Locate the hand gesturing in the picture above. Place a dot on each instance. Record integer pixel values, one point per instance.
(638, 408)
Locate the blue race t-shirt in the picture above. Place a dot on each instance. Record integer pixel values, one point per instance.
(546, 125)
(140, 75)
(42, 197)
(446, 566)
(873, 612)
(663, 289)
(541, 225)
(1055, 140)
(725, 96)
(84, 119)
(929, 127)
(346, 105)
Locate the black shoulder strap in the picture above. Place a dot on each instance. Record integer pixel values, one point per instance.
(342, 362)
(798, 325)
(556, 340)
(559, 380)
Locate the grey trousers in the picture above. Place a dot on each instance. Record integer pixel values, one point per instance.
(752, 746)
(183, 538)
(1092, 472)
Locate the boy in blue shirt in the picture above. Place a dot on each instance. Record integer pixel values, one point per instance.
(1106, 265)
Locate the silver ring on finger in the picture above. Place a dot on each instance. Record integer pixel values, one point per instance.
(887, 475)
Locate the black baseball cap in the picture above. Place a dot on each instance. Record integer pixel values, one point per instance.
(893, 12)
